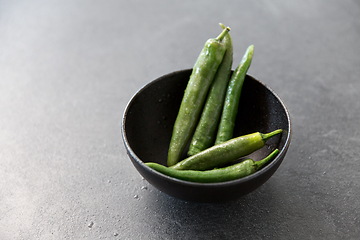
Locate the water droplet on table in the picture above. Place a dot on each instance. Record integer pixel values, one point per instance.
(90, 224)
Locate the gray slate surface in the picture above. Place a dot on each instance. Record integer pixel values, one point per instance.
(68, 68)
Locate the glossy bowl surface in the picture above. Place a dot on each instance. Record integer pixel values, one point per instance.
(147, 127)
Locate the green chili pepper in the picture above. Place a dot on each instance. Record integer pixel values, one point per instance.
(226, 152)
(195, 93)
(205, 132)
(231, 105)
(236, 171)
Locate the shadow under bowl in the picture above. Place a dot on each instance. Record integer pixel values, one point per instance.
(147, 128)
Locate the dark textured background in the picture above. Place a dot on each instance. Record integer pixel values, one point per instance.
(68, 69)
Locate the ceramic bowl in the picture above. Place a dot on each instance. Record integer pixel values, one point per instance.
(147, 125)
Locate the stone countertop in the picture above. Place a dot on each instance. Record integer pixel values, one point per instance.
(68, 69)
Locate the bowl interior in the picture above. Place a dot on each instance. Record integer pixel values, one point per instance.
(153, 111)
(150, 115)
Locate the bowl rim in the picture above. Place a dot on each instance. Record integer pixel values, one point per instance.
(197, 184)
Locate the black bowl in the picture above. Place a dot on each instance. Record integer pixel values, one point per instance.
(147, 127)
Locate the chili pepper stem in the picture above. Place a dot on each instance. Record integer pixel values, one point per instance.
(223, 34)
(266, 136)
(259, 164)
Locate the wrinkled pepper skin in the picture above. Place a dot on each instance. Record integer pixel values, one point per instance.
(195, 93)
(232, 98)
(236, 171)
(226, 152)
(205, 133)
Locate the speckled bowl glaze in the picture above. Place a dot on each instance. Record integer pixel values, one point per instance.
(147, 127)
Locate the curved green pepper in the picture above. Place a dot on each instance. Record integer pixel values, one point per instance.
(236, 171)
(205, 132)
(193, 100)
(231, 105)
(226, 152)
